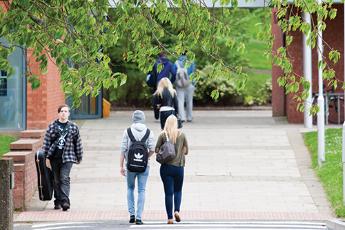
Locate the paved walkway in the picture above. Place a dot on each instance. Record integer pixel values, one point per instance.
(242, 165)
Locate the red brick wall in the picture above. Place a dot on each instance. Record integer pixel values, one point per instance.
(25, 177)
(18, 190)
(295, 52)
(42, 103)
(30, 184)
(55, 95)
(278, 94)
(23, 155)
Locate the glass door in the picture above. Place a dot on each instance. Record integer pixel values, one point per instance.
(90, 108)
(13, 91)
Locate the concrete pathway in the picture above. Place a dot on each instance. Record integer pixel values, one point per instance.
(242, 165)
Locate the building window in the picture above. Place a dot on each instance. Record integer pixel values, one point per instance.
(3, 83)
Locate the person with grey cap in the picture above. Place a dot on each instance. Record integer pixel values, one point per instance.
(137, 147)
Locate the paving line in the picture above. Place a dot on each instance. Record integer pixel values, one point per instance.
(66, 227)
(234, 225)
(60, 223)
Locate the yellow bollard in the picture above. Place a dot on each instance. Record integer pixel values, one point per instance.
(106, 108)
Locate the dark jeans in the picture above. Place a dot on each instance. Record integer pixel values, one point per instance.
(172, 177)
(61, 173)
(164, 115)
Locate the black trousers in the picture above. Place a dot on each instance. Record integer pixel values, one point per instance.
(61, 183)
(164, 115)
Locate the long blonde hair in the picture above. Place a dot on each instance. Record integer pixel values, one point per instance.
(170, 128)
(165, 83)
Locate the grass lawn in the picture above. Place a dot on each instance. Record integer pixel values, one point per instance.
(255, 54)
(5, 141)
(331, 172)
(256, 48)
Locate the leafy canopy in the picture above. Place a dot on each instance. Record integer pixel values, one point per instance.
(76, 35)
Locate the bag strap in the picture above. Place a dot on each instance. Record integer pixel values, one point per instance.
(130, 134)
(145, 136)
(63, 133)
(166, 136)
(178, 65)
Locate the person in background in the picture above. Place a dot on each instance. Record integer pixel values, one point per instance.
(165, 100)
(185, 91)
(163, 68)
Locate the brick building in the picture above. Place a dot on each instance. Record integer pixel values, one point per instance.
(28, 113)
(25, 109)
(283, 105)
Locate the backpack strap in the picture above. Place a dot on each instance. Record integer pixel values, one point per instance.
(130, 134)
(145, 136)
(178, 65)
(65, 131)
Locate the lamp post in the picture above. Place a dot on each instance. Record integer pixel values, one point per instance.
(343, 155)
(307, 70)
(320, 99)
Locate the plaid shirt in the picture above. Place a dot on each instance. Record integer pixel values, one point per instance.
(73, 150)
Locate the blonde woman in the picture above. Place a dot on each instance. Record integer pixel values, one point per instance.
(172, 172)
(165, 99)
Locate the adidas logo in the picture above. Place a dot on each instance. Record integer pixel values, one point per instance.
(138, 157)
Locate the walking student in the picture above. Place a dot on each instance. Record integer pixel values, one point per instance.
(62, 147)
(165, 99)
(172, 172)
(185, 88)
(167, 70)
(137, 147)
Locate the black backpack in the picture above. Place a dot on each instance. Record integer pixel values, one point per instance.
(138, 154)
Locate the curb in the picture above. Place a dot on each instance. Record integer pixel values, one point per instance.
(335, 224)
(200, 108)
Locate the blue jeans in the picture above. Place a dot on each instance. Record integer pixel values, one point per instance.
(172, 177)
(142, 179)
(61, 183)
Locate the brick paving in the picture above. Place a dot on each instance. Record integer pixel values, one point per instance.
(243, 165)
(53, 215)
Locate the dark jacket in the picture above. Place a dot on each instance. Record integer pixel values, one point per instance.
(166, 100)
(73, 150)
(167, 71)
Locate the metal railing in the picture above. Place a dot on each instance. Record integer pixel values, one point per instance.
(331, 97)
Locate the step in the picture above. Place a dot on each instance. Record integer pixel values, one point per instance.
(26, 144)
(18, 156)
(39, 133)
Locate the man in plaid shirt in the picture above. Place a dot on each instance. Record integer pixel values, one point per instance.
(62, 146)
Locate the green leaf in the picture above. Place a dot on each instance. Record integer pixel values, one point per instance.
(215, 94)
(334, 56)
(34, 81)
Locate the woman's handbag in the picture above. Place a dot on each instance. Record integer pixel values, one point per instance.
(166, 151)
